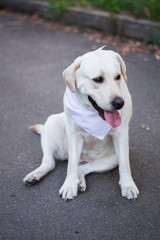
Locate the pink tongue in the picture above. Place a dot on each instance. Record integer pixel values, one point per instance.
(113, 118)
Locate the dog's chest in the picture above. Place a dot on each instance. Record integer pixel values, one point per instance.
(95, 148)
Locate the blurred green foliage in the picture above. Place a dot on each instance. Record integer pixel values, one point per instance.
(1, 5)
(149, 9)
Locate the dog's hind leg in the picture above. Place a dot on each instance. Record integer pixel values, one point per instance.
(99, 165)
(48, 163)
(54, 144)
(46, 166)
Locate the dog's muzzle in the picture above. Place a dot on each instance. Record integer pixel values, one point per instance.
(113, 116)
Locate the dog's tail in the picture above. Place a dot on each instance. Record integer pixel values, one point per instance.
(37, 128)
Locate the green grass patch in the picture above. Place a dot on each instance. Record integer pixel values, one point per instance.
(149, 9)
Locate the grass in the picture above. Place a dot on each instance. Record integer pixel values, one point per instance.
(149, 9)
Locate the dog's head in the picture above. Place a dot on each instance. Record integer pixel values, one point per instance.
(96, 79)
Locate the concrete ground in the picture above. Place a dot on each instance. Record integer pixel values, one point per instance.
(32, 59)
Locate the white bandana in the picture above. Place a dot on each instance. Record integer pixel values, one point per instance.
(87, 119)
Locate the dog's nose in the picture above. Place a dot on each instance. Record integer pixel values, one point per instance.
(117, 103)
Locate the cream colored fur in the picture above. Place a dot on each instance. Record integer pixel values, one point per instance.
(61, 137)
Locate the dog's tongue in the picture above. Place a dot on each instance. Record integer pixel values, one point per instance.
(113, 118)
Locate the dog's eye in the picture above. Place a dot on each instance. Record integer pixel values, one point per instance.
(118, 77)
(98, 79)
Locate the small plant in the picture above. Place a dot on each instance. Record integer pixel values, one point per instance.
(56, 7)
(151, 38)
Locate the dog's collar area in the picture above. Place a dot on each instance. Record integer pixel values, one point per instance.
(98, 109)
(97, 121)
(87, 119)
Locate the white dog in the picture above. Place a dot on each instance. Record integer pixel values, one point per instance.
(93, 127)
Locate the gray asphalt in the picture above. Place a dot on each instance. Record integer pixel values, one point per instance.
(32, 59)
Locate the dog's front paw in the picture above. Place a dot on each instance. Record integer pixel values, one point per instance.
(69, 189)
(129, 189)
(32, 178)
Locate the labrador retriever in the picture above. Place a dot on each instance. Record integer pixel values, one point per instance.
(93, 127)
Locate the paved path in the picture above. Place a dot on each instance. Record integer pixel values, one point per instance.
(32, 58)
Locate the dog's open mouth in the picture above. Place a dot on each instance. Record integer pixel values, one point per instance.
(113, 118)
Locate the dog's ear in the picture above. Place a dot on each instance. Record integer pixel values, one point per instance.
(123, 66)
(69, 74)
